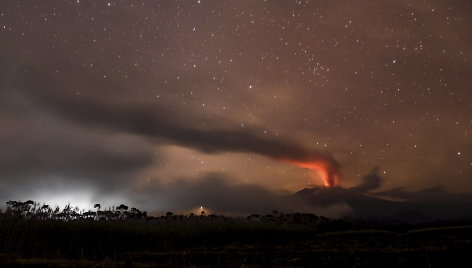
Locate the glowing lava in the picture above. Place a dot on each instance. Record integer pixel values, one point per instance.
(324, 171)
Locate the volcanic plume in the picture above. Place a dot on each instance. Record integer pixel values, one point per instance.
(325, 170)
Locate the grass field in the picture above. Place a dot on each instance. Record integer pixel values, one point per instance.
(275, 240)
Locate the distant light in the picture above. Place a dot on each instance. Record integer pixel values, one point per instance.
(458, 153)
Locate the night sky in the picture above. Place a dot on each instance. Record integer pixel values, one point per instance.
(224, 104)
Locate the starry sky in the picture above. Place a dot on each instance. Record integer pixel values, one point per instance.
(175, 104)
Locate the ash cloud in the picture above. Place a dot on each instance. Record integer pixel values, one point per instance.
(59, 140)
(158, 124)
(42, 150)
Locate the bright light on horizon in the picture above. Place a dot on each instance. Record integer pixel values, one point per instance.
(83, 198)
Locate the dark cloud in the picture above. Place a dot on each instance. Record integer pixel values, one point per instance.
(53, 150)
(98, 144)
(157, 123)
(42, 149)
(371, 182)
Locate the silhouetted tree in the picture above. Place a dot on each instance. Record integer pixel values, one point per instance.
(122, 207)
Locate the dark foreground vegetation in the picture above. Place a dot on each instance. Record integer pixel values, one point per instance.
(33, 235)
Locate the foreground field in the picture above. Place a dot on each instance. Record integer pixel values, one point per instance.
(277, 240)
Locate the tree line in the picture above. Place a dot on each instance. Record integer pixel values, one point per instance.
(30, 209)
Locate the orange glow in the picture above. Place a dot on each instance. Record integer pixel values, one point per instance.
(321, 169)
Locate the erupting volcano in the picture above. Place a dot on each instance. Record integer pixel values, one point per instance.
(324, 170)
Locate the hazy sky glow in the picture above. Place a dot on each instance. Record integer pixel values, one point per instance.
(163, 104)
